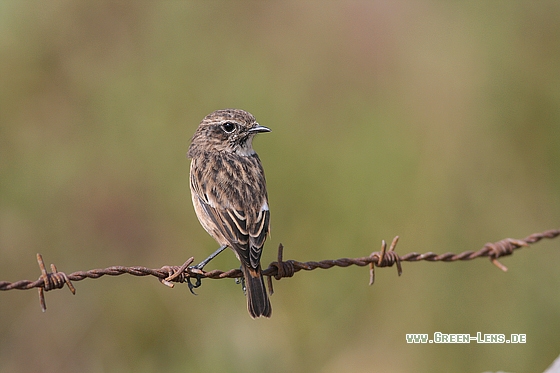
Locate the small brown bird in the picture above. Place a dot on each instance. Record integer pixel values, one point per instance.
(229, 195)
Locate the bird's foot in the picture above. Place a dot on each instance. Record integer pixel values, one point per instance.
(241, 280)
(197, 269)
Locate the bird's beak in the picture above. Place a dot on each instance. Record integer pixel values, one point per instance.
(258, 128)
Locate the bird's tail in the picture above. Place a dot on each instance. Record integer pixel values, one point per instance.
(257, 299)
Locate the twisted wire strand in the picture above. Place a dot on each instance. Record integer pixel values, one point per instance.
(279, 269)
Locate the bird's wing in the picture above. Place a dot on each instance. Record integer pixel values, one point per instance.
(251, 232)
(244, 233)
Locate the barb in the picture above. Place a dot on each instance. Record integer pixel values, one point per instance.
(279, 269)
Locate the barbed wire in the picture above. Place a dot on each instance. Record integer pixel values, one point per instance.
(278, 269)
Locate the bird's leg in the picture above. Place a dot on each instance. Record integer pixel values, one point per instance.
(210, 257)
(200, 266)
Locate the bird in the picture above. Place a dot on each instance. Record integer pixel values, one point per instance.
(228, 190)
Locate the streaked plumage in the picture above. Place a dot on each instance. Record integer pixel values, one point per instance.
(229, 195)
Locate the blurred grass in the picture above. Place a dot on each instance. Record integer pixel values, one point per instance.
(436, 121)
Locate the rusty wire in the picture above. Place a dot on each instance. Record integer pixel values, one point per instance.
(278, 269)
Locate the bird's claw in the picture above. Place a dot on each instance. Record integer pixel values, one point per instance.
(196, 284)
(241, 281)
(197, 274)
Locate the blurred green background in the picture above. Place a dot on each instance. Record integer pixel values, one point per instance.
(432, 120)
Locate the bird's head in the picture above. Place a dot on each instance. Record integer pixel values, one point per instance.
(229, 130)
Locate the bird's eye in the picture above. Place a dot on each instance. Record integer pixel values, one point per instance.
(228, 127)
